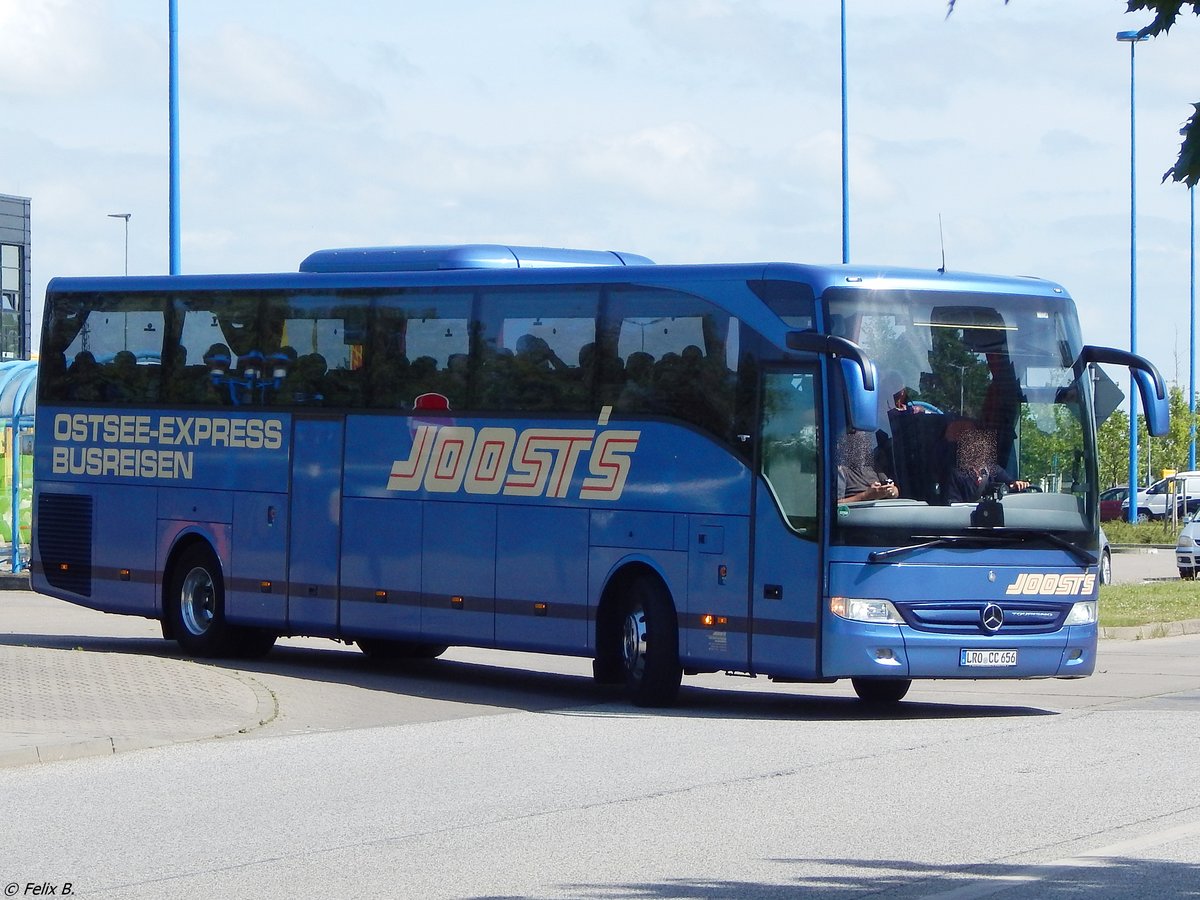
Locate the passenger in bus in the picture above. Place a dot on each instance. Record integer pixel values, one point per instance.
(637, 395)
(185, 384)
(304, 384)
(218, 360)
(534, 352)
(454, 378)
(861, 469)
(83, 378)
(975, 472)
(123, 380)
(496, 376)
(389, 381)
(541, 380)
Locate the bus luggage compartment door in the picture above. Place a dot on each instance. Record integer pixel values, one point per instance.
(316, 526)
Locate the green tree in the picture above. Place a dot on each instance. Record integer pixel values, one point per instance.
(1112, 440)
(1055, 450)
(1171, 450)
(1167, 452)
(1166, 12)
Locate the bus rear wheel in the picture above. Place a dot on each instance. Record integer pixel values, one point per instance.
(650, 645)
(881, 691)
(196, 607)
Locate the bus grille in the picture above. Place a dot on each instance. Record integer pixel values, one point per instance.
(966, 617)
(64, 539)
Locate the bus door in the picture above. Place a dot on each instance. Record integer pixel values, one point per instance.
(788, 583)
(316, 525)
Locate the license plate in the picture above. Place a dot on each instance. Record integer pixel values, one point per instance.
(987, 658)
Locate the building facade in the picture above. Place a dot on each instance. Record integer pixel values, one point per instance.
(14, 278)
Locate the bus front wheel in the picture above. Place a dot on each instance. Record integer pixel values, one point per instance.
(881, 691)
(650, 645)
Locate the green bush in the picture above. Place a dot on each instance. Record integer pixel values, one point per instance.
(1160, 532)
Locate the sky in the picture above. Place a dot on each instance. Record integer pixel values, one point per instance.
(683, 130)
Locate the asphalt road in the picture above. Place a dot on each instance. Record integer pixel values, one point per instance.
(1150, 564)
(509, 775)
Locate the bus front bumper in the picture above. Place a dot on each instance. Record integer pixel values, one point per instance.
(865, 650)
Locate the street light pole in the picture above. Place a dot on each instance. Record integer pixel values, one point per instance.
(124, 216)
(845, 151)
(1132, 38)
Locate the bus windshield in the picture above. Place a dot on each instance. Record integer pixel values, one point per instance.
(982, 423)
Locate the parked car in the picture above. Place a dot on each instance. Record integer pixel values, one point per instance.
(1105, 559)
(1187, 547)
(1153, 502)
(1110, 502)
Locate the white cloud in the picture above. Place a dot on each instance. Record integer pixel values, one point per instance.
(52, 47)
(677, 163)
(240, 72)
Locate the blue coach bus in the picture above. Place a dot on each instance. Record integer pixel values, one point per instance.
(804, 472)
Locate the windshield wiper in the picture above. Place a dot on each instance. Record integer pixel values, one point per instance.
(1084, 556)
(876, 556)
(987, 536)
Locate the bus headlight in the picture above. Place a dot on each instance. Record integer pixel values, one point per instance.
(1082, 613)
(877, 611)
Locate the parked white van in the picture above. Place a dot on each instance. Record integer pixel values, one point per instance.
(1154, 502)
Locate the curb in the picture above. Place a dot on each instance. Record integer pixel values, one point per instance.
(17, 582)
(45, 753)
(1153, 630)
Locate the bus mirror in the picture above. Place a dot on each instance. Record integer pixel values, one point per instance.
(858, 373)
(861, 408)
(1158, 416)
(1147, 378)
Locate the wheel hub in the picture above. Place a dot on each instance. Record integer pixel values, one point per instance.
(197, 601)
(633, 647)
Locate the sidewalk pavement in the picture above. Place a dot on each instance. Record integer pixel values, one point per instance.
(61, 701)
(75, 682)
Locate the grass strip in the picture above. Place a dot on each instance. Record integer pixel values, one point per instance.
(1123, 605)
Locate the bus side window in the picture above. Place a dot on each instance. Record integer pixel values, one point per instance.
(790, 442)
(678, 350)
(537, 350)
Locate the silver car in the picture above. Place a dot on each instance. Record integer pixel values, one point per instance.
(1187, 547)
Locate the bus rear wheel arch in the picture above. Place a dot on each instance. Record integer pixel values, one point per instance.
(194, 608)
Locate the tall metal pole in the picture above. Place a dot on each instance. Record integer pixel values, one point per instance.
(1192, 333)
(1132, 37)
(845, 151)
(173, 105)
